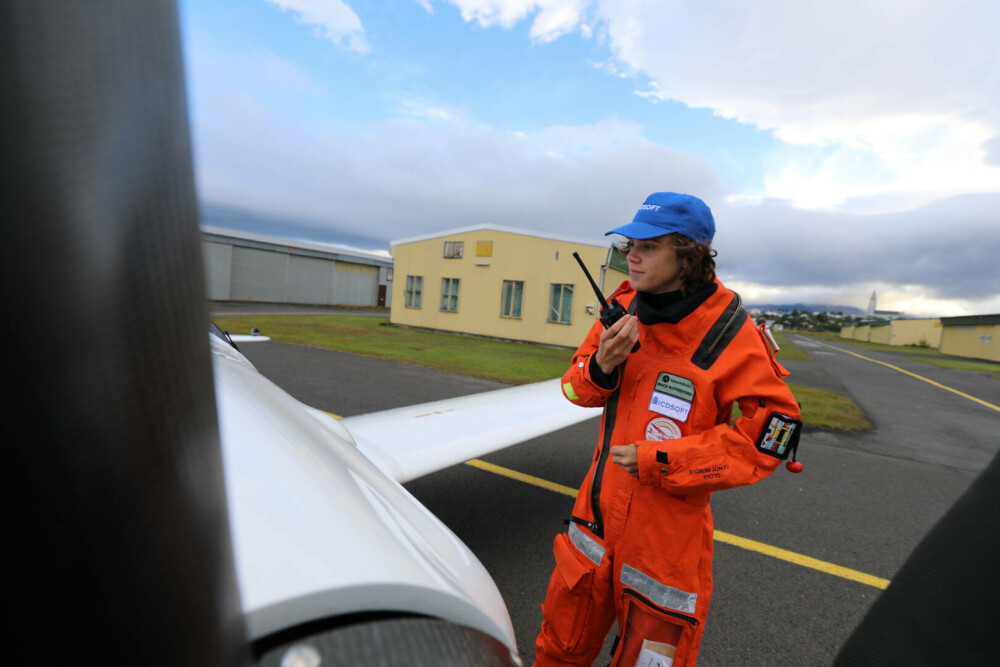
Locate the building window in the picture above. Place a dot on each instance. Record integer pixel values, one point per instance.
(510, 298)
(449, 294)
(484, 248)
(617, 260)
(453, 249)
(414, 289)
(985, 338)
(561, 303)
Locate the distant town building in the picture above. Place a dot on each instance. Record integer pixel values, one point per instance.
(873, 313)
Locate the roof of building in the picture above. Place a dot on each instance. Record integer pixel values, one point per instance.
(970, 320)
(306, 248)
(497, 228)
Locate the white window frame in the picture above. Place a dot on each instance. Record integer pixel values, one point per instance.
(414, 291)
(561, 303)
(507, 301)
(449, 294)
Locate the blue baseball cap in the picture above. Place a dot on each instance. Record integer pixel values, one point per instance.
(668, 212)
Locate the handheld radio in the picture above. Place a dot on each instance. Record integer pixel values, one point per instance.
(611, 311)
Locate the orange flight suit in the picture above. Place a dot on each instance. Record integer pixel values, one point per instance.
(640, 550)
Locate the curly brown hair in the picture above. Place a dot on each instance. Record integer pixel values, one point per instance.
(698, 260)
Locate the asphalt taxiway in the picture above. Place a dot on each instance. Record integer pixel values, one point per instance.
(799, 558)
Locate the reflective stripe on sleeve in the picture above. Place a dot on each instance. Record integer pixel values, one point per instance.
(585, 544)
(570, 394)
(657, 593)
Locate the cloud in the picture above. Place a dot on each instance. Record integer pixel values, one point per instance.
(552, 18)
(881, 184)
(409, 176)
(886, 85)
(412, 176)
(332, 18)
(432, 169)
(902, 93)
(425, 110)
(942, 251)
(813, 70)
(992, 148)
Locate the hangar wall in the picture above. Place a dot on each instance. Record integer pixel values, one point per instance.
(924, 332)
(240, 266)
(974, 336)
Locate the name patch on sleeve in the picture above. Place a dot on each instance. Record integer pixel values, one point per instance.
(780, 435)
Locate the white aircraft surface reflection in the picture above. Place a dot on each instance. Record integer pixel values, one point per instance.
(322, 529)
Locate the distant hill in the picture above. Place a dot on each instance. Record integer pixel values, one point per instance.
(808, 307)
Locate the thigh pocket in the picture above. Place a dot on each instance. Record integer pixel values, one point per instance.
(569, 598)
(652, 636)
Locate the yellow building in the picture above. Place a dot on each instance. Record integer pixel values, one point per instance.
(502, 282)
(880, 332)
(922, 332)
(974, 336)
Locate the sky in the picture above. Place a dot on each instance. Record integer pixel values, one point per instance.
(843, 147)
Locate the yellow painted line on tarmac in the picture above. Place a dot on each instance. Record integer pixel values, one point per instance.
(906, 372)
(799, 559)
(720, 536)
(521, 477)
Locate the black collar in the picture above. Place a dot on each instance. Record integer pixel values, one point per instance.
(670, 307)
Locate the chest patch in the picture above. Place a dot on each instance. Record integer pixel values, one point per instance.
(661, 428)
(676, 386)
(670, 406)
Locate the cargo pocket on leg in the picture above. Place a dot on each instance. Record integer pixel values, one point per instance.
(568, 600)
(652, 636)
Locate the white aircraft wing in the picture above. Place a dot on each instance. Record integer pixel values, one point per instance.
(420, 439)
(321, 527)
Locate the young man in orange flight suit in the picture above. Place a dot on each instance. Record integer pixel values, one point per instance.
(639, 544)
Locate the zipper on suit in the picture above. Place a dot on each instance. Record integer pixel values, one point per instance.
(610, 417)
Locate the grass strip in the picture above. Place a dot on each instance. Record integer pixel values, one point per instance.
(504, 361)
(789, 351)
(824, 409)
(957, 364)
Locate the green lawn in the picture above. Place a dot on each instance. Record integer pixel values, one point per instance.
(789, 351)
(824, 409)
(505, 361)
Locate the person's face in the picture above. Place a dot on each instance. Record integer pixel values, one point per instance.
(653, 265)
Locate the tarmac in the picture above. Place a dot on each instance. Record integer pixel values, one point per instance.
(861, 505)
